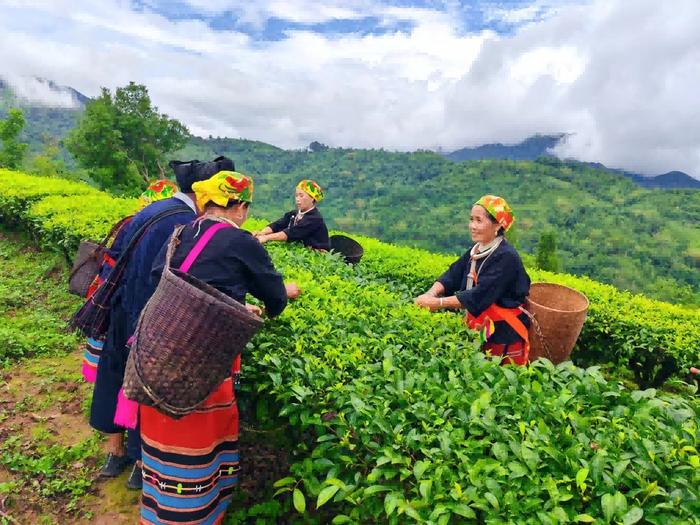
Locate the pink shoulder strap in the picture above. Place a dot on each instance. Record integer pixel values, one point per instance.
(201, 243)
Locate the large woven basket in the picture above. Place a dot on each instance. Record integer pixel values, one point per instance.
(86, 265)
(558, 313)
(185, 342)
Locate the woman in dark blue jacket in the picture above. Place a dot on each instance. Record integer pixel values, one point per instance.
(490, 282)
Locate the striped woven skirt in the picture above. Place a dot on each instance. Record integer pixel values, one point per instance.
(91, 358)
(190, 465)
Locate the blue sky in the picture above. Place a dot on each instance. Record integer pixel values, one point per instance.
(621, 77)
(472, 16)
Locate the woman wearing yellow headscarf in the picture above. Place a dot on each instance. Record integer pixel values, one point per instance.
(305, 224)
(489, 282)
(191, 464)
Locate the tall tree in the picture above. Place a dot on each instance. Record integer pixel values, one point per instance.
(12, 152)
(123, 140)
(546, 256)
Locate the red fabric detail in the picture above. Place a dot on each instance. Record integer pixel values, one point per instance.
(196, 430)
(498, 313)
(94, 285)
(109, 261)
(516, 353)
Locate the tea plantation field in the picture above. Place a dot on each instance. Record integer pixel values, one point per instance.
(359, 407)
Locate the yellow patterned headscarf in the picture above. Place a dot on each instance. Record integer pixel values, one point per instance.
(498, 209)
(223, 187)
(312, 189)
(157, 191)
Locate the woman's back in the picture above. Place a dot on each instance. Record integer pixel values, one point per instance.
(233, 262)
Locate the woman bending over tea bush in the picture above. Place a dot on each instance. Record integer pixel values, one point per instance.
(190, 465)
(490, 282)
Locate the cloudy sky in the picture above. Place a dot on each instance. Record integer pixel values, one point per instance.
(621, 76)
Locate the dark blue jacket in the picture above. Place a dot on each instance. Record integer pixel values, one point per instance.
(502, 280)
(136, 286)
(310, 230)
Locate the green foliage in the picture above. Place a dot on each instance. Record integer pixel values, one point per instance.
(43, 465)
(12, 152)
(608, 228)
(34, 303)
(400, 418)
(652, 339)
(48, 162)
(546, 255)
(123, 139)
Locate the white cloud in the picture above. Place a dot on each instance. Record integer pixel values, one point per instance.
(620, 77)
(38, 91)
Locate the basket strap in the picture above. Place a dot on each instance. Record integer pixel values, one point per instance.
(201, 243)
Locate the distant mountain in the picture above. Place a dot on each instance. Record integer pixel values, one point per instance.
(44, 122)
(529, 149)
(539, 146)
(668, 181)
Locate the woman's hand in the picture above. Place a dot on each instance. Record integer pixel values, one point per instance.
(254, 309)
(293, 290)
(428, 301)
(262, 238)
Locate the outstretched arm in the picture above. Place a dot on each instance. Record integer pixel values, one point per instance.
(279, 236)
(433, 300)
(264, 231)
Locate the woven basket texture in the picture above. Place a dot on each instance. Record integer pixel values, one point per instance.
(186, 339)
(85, 267)
(561, 312)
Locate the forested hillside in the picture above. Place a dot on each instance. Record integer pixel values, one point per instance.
(45, 124)
(607, 227)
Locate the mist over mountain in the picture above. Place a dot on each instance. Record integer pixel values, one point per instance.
(538, 146)
(46, 122)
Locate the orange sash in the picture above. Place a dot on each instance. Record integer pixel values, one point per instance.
(498, 313)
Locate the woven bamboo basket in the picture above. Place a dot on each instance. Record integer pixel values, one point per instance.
(86, 265)
(185, 342)
(557, 313)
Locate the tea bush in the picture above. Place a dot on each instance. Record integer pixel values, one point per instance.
(654, 339)
(410, 421)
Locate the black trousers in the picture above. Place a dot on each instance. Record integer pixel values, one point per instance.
(110, 376)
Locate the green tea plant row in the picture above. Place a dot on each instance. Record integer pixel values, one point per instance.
(34, 303)
(402, 420)
(655, 340)
(413, 424)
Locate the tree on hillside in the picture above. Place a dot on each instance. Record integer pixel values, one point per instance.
(47, 162)
(316, 146)
(546, 255)
(12, 152)
(123, 140)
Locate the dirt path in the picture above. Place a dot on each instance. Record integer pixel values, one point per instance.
(49, 456)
